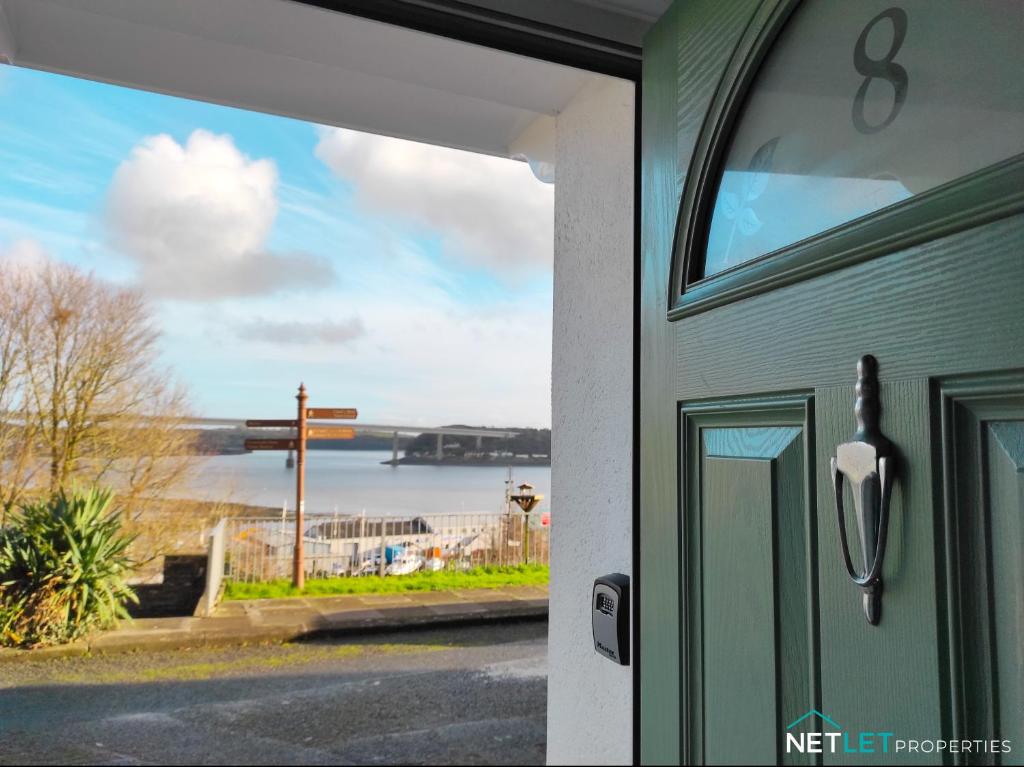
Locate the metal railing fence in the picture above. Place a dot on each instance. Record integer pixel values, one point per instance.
(260, 549)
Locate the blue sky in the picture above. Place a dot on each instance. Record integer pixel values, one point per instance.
(418, 277)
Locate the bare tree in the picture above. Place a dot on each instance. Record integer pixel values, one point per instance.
(94, 397)
(18, 460)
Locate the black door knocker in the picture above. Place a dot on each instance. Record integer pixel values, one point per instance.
(868, 463)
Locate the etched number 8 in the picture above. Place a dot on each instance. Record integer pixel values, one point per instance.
(884, 68)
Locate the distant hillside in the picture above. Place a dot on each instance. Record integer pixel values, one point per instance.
(529, 445)
(231, 441)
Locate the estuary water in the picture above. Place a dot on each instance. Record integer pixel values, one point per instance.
(354, 481)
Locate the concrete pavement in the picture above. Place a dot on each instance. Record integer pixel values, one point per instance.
(462, 695)
(279, 620)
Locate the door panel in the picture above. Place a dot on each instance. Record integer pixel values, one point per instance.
(983, 435)
(748, 588)
(1005, 445)
(738, 588)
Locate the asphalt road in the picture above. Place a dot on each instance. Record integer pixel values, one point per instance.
(471, 695)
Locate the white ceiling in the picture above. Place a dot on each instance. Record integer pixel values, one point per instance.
(299, 60)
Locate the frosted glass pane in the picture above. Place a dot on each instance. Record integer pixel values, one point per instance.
(860, 105)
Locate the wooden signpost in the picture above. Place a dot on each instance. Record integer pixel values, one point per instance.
(298, 444)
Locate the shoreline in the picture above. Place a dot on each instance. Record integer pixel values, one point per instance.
(475, 462)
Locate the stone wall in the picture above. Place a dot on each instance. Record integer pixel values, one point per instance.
(184, 580)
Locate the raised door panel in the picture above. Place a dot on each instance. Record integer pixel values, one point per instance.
(747, 583)
(983, 436)
(1005, 480)
(739, 610)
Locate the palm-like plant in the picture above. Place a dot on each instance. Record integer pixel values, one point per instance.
(63, 569)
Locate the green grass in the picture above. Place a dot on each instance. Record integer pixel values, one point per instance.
(479, 578)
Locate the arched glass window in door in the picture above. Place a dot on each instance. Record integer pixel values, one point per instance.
(860, 105)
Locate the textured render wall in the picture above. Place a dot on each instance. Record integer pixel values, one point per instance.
(590, 698)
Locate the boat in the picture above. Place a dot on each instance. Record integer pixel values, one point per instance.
(370, 565)
(404, 563)
(433, 561)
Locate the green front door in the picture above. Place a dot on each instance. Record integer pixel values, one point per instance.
(823, 181)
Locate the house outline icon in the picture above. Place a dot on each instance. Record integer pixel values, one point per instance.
(814, 712)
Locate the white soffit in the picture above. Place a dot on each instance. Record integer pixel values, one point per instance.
(297, 60)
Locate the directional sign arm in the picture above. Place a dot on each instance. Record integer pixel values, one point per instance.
(330, 432)
(332, 413)
(271, 444)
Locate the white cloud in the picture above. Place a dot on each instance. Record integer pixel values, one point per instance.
(451, 365)
(412, 340)
(427, 356)
(489, 211)
(25, 254)
(297, 332)
(196, 219)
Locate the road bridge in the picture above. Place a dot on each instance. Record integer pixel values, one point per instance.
(394, 430)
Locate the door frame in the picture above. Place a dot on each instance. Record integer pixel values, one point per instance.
(498, 30)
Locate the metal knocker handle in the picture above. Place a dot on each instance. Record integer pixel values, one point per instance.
(884, 478)
(868, 462)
